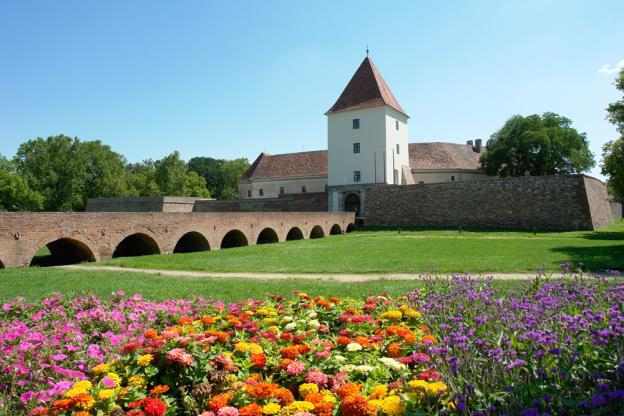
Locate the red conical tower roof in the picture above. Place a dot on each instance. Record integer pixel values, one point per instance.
(366, 89)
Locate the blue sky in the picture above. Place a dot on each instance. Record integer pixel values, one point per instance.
(231, 79)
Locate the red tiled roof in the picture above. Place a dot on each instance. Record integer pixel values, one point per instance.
(286, 165)
(422, 156)
(439, 155)
(366, 89)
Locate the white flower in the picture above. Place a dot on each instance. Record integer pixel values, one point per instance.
(354, 346)
(364, 369)
(287, 318)
(392, 364)
(339, 358)
(312, 314)
(314, 324)
(348, 368)
(291, 326)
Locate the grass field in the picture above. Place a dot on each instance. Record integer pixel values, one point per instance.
(417, 251)
(36, 283)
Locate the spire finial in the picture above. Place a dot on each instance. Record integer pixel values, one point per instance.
(367, 51)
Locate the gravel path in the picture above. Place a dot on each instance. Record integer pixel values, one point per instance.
(313, 276)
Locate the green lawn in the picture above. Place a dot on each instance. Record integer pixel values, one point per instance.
(36, 283)
(415, 251)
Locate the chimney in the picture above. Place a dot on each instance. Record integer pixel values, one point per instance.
(477, 146)
(469, 143)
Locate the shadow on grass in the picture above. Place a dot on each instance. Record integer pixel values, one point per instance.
(605, 235)
(594, 258)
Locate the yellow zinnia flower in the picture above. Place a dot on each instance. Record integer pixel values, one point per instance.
(271, 409)
(145, 360)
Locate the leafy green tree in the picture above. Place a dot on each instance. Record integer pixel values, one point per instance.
(210, 169)
(221, 175)
(537, 145)
(613, 151)
(173, 178)
(232, 171)
(67, 171)
(15, 195)
(141, 178)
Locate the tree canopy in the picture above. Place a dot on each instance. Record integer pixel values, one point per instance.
(59, 173)
(221, 175)
(613, 151)
(537, 145)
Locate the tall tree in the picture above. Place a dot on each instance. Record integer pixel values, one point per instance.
(15, 194)
(613, 151)
(141, 178)
(67, 171)
(537, 145)
(210, 169)
(232, 171)
(173, 177)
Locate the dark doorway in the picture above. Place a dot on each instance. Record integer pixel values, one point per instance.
(317, 232)
(352, 204)
(62, 251)
(335, 230)
(267, 236)
(350, 227)
(294, 234)
(191, 242)
(138, 244)
(234, 238)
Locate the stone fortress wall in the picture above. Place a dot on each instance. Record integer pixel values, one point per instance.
(558, 202)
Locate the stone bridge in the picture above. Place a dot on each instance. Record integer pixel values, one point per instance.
(95, 236)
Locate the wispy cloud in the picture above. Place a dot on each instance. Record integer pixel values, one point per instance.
(610, 70)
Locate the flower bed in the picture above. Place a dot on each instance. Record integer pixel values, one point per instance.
(458, 345)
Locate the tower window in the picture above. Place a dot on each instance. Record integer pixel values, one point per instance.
(261, 192)
(398, 149)
(356, 123)
(304, 189)
(452, 178)
(396, 124)
(356, 148)
(325, 187)
(356, 176)
(249, 193)
(281, 189)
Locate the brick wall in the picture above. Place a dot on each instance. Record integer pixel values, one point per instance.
(99, 234)
(564, 202)
(304, 202)
(142, 204)
(616, 209)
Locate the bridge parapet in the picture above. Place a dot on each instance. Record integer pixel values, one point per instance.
(98, 236)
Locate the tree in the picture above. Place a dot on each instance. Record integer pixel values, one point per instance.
(173, 178)
(141, 178)
(537, 145)
(67, 171)
(210, 170)
(15, 195)
(232, 170)
(613, 151)
(221, 175)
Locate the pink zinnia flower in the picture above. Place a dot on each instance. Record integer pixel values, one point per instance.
(295, 368)
(317, 377)
(228, 411)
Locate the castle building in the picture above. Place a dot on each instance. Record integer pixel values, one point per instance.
(367, 144)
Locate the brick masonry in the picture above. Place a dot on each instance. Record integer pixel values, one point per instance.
(307, 202)
(563, 202)
(97, 234)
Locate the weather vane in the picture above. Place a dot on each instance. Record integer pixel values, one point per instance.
(367, 50)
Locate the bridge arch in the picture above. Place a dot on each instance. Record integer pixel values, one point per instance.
(335, 230)
(317, 232)
(267, 236)
(1, 265)
(136, 244)
(234, 238)
(190, 242)
(350, 227)
(61, 251)
(294, 233)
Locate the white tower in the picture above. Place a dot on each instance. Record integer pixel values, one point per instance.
(366, 139)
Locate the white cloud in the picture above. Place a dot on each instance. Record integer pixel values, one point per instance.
(610, 70)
